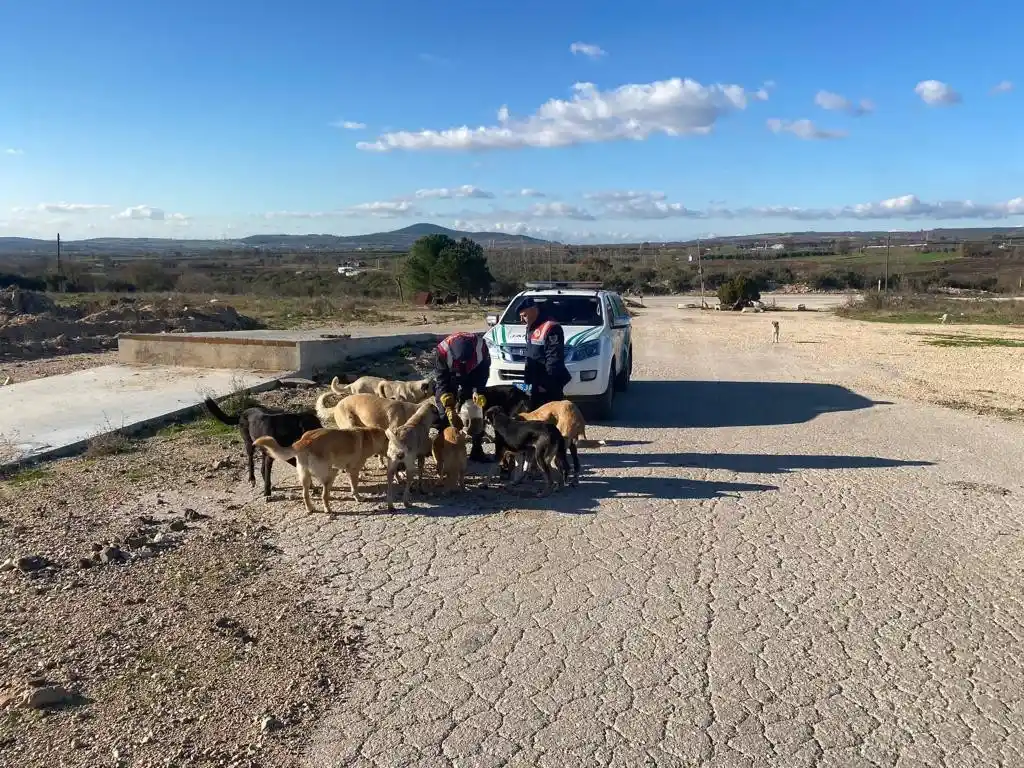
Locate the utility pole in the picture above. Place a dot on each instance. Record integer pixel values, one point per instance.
(58, 254)
(887, 239)
(700, 272)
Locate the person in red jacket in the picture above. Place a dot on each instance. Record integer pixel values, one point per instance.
(461, 368)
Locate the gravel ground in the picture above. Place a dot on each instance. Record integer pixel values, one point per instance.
(767, 565)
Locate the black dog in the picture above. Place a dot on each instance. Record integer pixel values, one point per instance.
(535, 439)
(283, 426)
(511, 400)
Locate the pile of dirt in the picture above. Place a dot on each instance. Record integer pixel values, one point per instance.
(33, 326)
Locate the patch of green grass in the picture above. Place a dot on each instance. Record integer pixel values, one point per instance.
(938, 340)
(29, 476)
(928, 310)
(205, 427)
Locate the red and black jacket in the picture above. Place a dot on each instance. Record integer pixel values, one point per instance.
(451, 375)
(545, 356)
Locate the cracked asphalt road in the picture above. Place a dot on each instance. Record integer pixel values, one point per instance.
(759, 570)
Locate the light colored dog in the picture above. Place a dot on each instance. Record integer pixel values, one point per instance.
(321, 453)
(775, 331)
(408, 445)
(365, 410)
(406, 391)
(364, 385)
(945, 318)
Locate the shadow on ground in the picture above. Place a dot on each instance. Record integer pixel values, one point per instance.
(710, 404)
(752, 463)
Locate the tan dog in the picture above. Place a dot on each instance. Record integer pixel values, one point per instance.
(567, 416)
(409, 444)
(406, 391)
(449, 451)
(365, 411)
(364, 385)
(321, 453)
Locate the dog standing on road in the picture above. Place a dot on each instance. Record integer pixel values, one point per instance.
(775, 331)
(321, 453)
(538, 441)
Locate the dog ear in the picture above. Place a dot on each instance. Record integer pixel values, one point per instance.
(390, 435)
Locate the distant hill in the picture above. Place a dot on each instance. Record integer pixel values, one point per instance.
(397, 240)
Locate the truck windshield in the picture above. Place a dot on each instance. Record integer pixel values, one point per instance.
(566, 310)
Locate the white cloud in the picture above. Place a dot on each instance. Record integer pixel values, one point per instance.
(647, 208)
(349, 125)
(528, 192)
(673, 107)
(14, 151)
(444, 193)
(836, 103)
(903, 207)
(384, 209)
(623, 195)
(936, 93)
(589, 50)
(802, 129)
(547, 210)
(503, 114)
(149, 213)
(1002, 87)
(69, 207)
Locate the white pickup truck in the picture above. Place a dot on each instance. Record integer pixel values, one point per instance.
(598, 340)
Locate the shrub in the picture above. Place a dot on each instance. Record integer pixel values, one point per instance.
(740, 291)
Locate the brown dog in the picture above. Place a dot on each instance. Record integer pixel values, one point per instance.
(321, 453)
(365, 411)
(449, 449)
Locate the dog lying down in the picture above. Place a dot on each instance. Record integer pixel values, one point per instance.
(540, 442)
(322, 453)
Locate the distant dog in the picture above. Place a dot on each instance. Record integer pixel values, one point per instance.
(775, 331)
(945, 318)
(321, 453)
(258, 422)
(538, 441)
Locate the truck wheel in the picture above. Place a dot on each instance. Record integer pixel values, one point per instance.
(622, 380)
(605, 407)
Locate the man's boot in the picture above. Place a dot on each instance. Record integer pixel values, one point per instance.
(477, 454)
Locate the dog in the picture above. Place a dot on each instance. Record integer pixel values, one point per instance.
(568, 419)
(449, 450)
(406, 391)
(321, 453)
(365, 410)
(285, 427)
(540, 441)
(364, 385)
(944, 319)
(409, 443)
(775, 331)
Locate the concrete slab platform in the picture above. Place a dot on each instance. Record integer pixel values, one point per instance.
(302, 351)
(57, 415)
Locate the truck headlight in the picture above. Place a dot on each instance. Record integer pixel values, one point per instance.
(584, 351)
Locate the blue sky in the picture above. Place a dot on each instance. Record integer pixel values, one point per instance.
(192, 119)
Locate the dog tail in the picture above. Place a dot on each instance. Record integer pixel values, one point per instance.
(337, 389)
(322, 411)
(218, 414)
(275, 449)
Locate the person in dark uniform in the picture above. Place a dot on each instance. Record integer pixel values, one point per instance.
(545, 372)
(461, 367)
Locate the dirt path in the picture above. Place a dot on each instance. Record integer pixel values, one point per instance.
(763, 568)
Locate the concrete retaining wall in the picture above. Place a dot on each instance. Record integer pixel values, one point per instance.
(256, 352)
